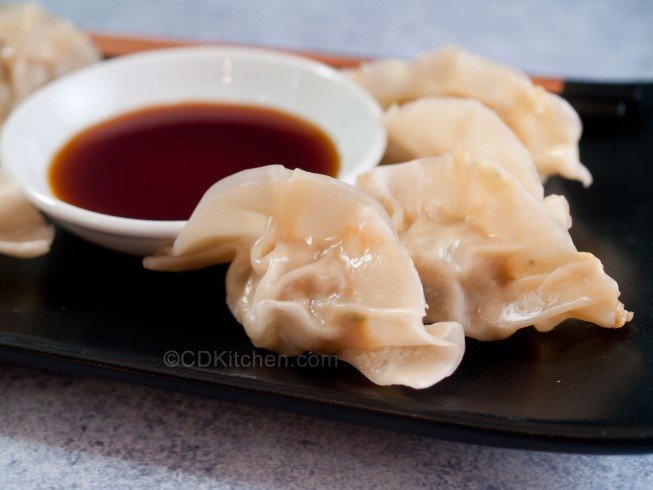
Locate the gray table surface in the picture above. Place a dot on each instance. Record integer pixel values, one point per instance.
(68, 431)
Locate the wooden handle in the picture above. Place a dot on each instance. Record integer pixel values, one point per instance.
(112, 45)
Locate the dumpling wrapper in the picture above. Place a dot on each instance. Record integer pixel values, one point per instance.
(547, 125)
(24, 232)
(35, 48)
(490, 255)
(317, 266)
(431, 126)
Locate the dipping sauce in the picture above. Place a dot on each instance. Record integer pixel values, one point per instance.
(156, 163)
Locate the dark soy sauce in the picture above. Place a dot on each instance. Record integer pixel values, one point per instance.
(156, 163)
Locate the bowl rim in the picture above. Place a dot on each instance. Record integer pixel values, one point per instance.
(58, 209)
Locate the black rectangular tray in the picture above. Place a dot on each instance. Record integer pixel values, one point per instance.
(579, 388)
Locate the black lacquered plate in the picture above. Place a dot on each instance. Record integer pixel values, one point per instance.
(579, 388)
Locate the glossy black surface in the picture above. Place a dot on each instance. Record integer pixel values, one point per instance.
(579, 388)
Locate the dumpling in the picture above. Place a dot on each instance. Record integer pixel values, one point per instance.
(317, 266)
(490, 255)
(35, 48)
(551, 134)
(546, 124)
(23, 231)
(431, 126)
(451, 71)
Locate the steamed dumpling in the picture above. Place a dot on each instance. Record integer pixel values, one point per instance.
(431, 126)
(23, 231)
(545, 123)
(317, 266)
(491, 256)
(447, 71)
(551, 134)
(35, 48)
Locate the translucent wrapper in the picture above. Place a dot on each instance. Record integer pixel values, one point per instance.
(316, 266)
(490, 255)
(544, 122)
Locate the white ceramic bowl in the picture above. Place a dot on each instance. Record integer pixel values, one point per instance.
(50, 117)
